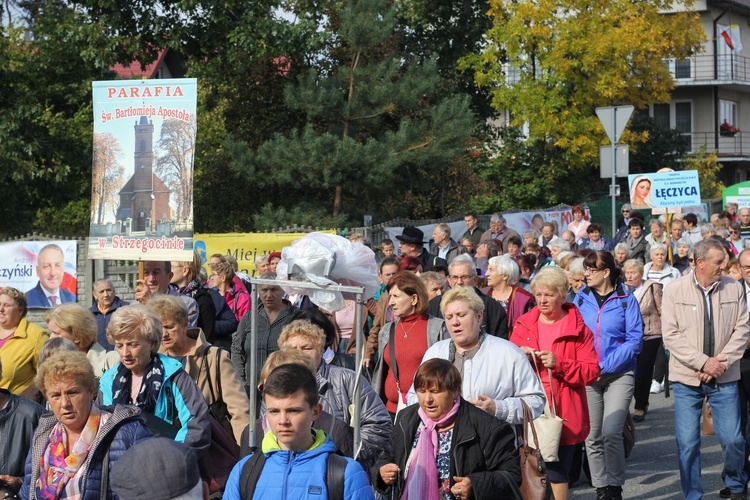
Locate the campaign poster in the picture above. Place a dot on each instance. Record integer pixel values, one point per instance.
(142, 174)
(245, 247)
(44, 270)
(664, 190)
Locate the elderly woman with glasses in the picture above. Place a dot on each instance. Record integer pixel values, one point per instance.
(610, 311)
(659, 270)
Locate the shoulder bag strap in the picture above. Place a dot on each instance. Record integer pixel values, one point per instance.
(551, 385)
(251, 472)
(104, 485)
(392, 351)
(335, 476)
(218, 372)
(208, 376)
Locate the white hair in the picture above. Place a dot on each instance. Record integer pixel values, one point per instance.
(507, 266)
(561, 244)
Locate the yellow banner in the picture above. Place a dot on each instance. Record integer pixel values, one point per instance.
(244, 246)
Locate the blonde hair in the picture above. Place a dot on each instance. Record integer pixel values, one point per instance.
(19, 298)
(552, 278)
(305, 329)
(66, 364)
(166, 306)
(136, 320)
(464, 294)
(284, 356)
(77, 321)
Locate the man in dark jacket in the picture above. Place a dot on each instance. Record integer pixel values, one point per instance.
(463, 273)
(105, 303)
(411, 243)
(18, 420)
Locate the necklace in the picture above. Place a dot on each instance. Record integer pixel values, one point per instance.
(407, 332)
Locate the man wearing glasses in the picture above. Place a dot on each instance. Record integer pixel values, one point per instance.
(461, 272)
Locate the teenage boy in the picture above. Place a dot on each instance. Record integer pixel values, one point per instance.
(294, 460)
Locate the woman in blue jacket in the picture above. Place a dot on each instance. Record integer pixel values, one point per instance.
(155, 383)
(615, 318)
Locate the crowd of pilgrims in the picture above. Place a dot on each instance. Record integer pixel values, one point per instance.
(462, 334)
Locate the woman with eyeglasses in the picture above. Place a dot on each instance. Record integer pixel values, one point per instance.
(735, 239)
(614, 316)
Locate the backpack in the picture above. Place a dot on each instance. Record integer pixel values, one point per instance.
(335, 475)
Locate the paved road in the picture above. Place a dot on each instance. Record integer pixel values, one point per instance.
(652, 467)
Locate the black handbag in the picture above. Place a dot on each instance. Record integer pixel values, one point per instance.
(217, 407)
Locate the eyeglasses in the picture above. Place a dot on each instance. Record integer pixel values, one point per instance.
(626, 211)
(462, 279)
(733, 232)
(590, 270)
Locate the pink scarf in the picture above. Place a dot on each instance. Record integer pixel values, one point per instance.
(422, 479)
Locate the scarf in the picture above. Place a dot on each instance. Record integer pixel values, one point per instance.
(191, 289)
(59, 465)
(153, 378)
(422, 480)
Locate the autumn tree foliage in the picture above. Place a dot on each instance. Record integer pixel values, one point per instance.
(107, 176)
(550, 63)
(174, 164)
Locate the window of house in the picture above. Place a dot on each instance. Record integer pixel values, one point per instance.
(682, 68)
(661, 115)
(728, 112)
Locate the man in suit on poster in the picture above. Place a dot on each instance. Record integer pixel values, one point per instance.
(50, 269)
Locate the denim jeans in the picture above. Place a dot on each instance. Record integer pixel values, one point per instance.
(725, 406)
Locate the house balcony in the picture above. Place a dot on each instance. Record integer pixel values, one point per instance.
(727, 147)
(724, 69)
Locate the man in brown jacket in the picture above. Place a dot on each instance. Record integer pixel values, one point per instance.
(705, 327)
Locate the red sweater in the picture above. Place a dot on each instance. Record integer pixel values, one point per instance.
(409, 353)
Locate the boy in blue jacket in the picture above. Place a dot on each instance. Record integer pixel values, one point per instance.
(295, 464)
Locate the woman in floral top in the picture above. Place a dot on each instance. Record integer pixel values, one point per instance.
(454, 449)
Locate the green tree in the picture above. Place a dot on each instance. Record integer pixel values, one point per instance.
(550, 63)
(656, 147)
(708, 167)
(370, 121)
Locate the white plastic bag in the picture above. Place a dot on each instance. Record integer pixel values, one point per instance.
(347, 263)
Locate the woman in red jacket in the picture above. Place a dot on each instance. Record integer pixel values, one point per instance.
(555, 335)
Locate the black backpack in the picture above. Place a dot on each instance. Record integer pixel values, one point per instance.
(335, 474)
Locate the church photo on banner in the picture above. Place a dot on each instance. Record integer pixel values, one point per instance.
(142, 173)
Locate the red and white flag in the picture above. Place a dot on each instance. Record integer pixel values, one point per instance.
(731, 36)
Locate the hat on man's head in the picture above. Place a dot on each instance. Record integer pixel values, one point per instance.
(155, 468)
(411, 234)
(273, 255)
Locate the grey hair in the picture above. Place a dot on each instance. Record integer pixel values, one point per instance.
(465, 260)
(707, 228)
(722, 232)
(53, 346)
(704, 246)
(627, 206)
(656, 221)
(685, 242)
(561, 244)
(622, 246)
(562, 255)
(506, 266)
(576, 266)
(531, 232)
(744, 208)
(260, 259)
(497, 217)
(658, 246)
(444, 228)
(104, 280)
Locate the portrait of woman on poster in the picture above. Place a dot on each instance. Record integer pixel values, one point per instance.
(640, 192)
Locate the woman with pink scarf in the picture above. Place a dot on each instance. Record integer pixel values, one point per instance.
(453, 449)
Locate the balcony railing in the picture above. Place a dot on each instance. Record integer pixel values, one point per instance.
(728, 146)
(706, 68)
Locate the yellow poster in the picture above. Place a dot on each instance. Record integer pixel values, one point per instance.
(245, 247)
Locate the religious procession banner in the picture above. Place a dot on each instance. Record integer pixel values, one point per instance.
(44, 270)
(665, 189)
(245, 247)
(142, 181)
